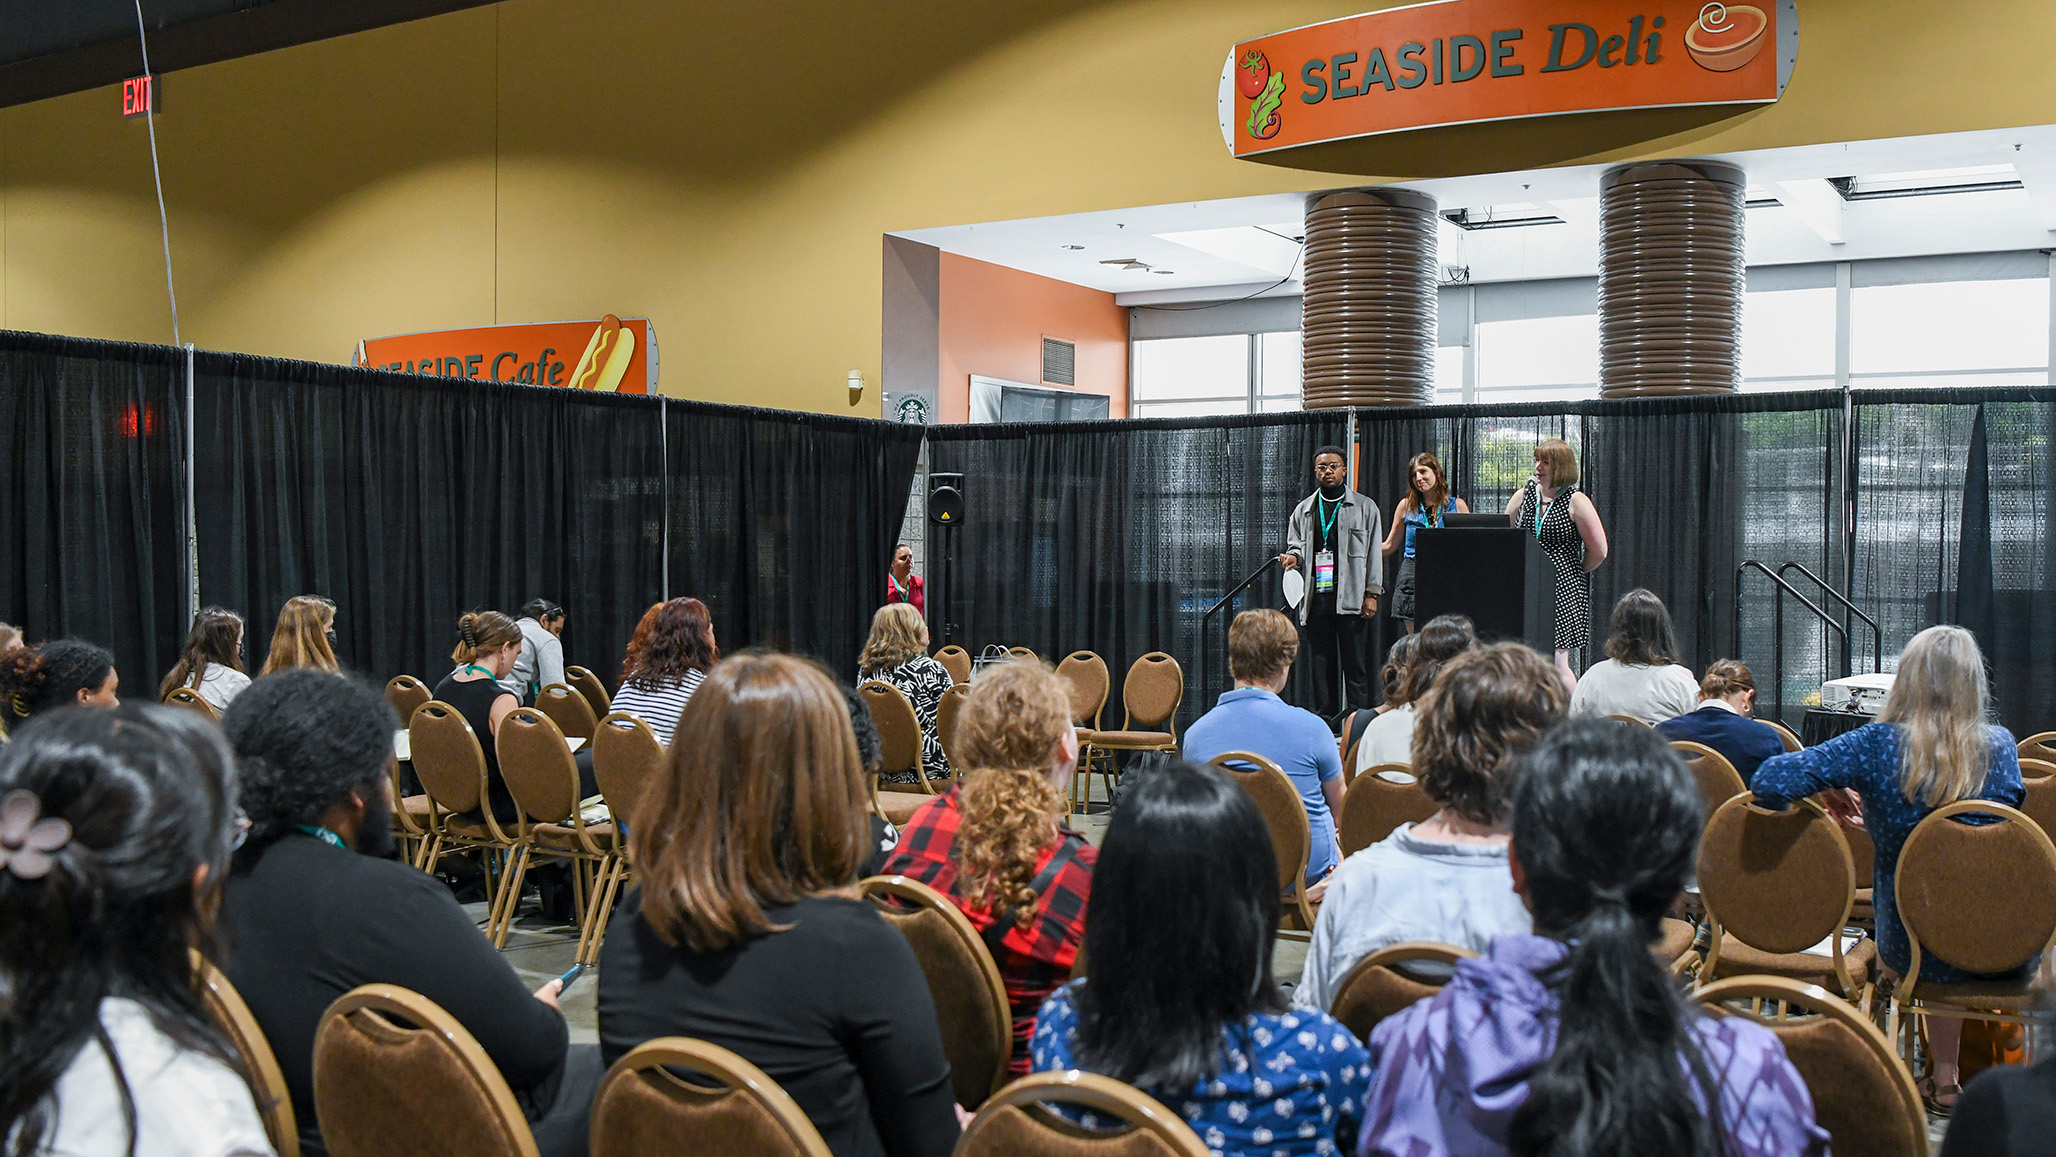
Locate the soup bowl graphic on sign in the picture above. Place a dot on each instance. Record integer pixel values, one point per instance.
(1727, 36)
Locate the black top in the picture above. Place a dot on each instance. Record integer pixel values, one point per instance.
(2007, 1111)
(835, 1009)
(308, 922)
(474, 701)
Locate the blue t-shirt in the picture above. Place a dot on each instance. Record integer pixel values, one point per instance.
(1253, 719)
(1417, 518)
(1288, 1085)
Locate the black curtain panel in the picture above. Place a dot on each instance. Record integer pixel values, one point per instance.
(93, 498)
(410, 500)
(783, 523)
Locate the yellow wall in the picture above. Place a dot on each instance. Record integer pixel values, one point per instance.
(726, 170)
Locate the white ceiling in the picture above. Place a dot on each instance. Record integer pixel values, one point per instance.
(1242, 246)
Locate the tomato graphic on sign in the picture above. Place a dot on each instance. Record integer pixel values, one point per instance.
(1265, 90)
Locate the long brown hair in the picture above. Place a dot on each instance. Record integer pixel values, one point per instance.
(673, 637)
(1478, 721)
(216, 637)
(480, 633)
(762, 801)
(1438, 493)
(896, 633)
(1007, 734)
(1939, 699)
(301, 639)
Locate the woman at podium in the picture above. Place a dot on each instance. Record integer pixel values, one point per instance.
(1427, 500)
(1556, 512)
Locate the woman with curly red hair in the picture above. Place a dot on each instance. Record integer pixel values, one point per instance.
(997, 843)
(672, 650)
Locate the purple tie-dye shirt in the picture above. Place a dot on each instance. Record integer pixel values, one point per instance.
(1448, 1074)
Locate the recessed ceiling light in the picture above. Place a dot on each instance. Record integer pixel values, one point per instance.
(1166, 272)
(1074, 247)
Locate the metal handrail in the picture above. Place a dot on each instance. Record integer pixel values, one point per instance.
(1778, 621)
(1206, 652)
(1877, 633)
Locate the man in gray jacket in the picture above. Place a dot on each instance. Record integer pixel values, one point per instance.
(1334, 535)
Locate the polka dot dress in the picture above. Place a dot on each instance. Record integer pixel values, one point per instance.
(1565, 548)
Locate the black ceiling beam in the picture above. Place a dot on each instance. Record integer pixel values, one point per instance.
(209, 40)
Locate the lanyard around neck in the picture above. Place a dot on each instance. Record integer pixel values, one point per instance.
(470, 667)
(323, 834)
(1326, 516)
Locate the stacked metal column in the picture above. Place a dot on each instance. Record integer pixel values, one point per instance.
(1370, 305)
(1671, 274)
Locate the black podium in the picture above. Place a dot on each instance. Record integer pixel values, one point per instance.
(1497, 575)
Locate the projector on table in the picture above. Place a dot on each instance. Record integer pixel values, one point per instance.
(1864, 694)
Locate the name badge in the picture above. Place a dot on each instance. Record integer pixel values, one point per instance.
(1324, 571)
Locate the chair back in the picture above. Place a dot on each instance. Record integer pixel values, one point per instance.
(2041, 745)
(1017, 1123)
(956, 661)
(626, 759)
(946, 712)
(1983, 897)
(447, 758)
(899, 729)
(2033, 768)
(1863, 1093)
(1779, 882)
(569, 710)
(1152, 692)
(1373, 807)
(233, 1018)
(396, 1076)
(404, 693)
(190, 699)
(1718, 780)
(589, 685)
(1023, 653)
(646, 1104)
(1618, 718)
(1085, 675)
(1376, 988)
(1785, 736)
(970, 998)
(537, 765)
(1283, 811)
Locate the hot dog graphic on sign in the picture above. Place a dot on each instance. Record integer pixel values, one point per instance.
(610, 355)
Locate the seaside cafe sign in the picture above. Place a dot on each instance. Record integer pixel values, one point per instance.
(1464, 61)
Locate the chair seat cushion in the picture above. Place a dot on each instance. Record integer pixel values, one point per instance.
(1289, 919)
(1738, 959)
(468, 829)
(1134, 739)
(899, 806)
(564, 837)
(1863, 911)
(417, 805)
(1675, 940)
(1994, 995)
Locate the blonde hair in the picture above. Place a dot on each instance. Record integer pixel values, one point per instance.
(896, 636)
(480, 633)
(301, 638)
(1940, 699)
(1563, 461)
(1008, 734)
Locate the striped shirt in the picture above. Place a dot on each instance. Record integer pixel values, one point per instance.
(659, 708)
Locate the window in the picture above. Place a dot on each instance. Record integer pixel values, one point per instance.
(1449, 374)
(1241, 373)
(1788, 339)
(1950, 333)
(1538, 359)
(1278, 363)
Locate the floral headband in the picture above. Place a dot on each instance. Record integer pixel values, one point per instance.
(27, 842)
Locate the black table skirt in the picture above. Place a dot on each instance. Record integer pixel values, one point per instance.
(1820, 726)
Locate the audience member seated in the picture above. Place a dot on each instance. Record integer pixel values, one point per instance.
(115, 830)
(1574, 1040)
(1251, 717)
(897, 653)
(1448, 879)
(1179, 1001)
(2008, 1110)
(997, 843)
(316, 906)
(212, 662)
(305, 636)
(1640, 676)
(1389, 738)
(1930, 747)
(884, 837)
(1392, 680)
(541, 661)
(1727, 696)
(487, 642)
(56, 674)
(742, 930)
(671, 651)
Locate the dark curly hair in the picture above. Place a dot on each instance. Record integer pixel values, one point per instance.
(35, 679)
(304, 739)
(1477, 721)
(673, 637)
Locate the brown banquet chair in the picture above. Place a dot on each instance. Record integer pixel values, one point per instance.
(956, 661)
(946, 712)
(1718, 780)
(405, 693)
(1088, 683)
(2041, 745)
(543, 779)
(190, 699)
(233, 1017)
(397, 1076)
(1291, 834)
(1380, 984)
(1775, 885)
(1373, 807)
(451, 766)
(970, 996)
(1150, 698)
(589, 685)
(1018, 1123)
(569, 710)
(675, 1087)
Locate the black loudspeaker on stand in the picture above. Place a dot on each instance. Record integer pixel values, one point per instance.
(946, 514)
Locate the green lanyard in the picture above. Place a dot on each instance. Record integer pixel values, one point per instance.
(1327, 518)
(1542, 506)
(323, 834)
(470, 667)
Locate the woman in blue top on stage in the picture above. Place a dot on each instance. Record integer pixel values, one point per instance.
(1427, 500)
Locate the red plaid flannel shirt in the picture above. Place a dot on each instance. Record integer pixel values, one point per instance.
(1034, 961)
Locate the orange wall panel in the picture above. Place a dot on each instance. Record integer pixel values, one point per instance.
(993, 322)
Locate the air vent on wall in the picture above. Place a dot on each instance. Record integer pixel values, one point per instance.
(1059, 362)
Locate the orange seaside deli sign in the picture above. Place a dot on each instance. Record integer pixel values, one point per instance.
(611, 355)
(1463, 61)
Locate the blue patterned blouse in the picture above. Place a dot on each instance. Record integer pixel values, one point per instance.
(1867, 759)
(1289, 1085)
